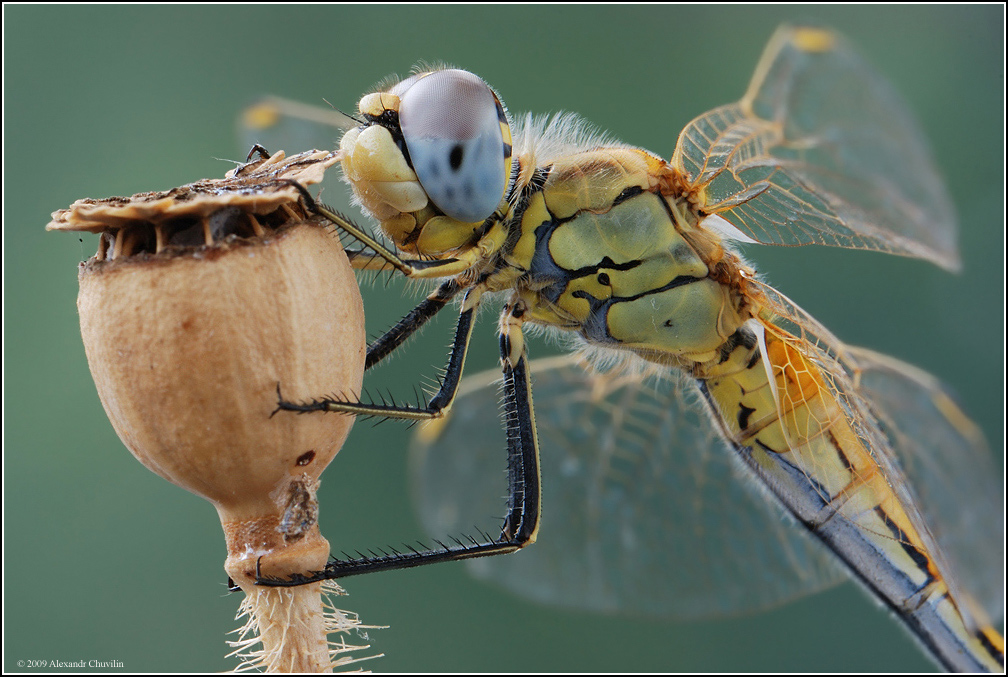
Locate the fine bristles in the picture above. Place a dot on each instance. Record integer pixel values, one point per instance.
(289, 620)
(545, 138)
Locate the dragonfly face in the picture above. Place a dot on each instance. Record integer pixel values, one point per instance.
(634, 254)
(432, 161)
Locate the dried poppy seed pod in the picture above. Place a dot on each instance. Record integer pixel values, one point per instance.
(200, 302)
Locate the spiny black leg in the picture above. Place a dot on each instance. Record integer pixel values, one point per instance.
(349, 227)
(437, 405)
(258, 148)
(522, 522)
(408, 325)
(408, 267)
(524, 482)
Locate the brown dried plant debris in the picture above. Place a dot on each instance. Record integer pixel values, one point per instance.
(251, 201)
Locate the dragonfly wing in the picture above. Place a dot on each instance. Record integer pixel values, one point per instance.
(282, 124)
(645, 509)
(820, 150)
(932, 456)
(947, 461)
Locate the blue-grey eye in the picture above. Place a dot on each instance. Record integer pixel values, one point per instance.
(450, 123)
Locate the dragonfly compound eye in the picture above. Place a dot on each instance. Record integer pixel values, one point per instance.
(455, 132)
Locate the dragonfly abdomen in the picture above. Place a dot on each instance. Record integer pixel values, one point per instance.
(772, 405)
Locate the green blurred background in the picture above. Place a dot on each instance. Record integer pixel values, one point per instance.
(105, 561)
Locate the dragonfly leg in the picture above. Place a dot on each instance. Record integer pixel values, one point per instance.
(438, 404)
(413, 321)
(524, 482)
(380, 255)
(522, 522)
(258, 148)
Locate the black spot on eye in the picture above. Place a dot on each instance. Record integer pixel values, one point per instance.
(603, 279)
(306, 458)
(455, 157)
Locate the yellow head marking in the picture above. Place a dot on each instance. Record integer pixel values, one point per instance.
(377, 103)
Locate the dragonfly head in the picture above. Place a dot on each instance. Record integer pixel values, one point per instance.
(433, 161)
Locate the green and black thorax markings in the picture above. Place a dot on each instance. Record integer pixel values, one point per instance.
(624, 266)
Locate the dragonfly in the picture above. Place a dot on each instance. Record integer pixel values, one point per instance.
(690, 371)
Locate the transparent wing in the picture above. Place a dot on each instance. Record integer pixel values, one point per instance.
(820, 150)
(947, 461)
(933, 457)
(282, 124)
(644, 508)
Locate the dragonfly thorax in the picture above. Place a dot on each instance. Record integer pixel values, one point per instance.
(605, 248)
